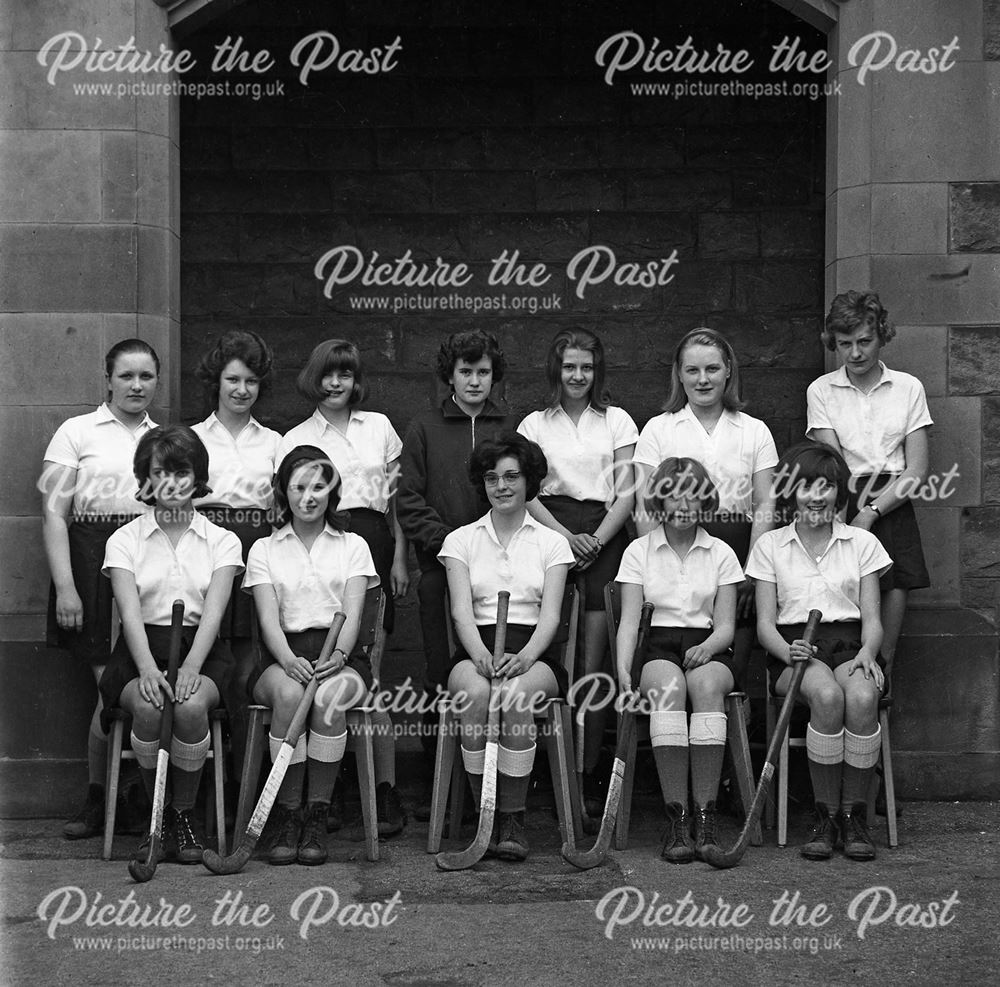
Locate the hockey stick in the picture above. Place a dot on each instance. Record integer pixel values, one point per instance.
(237, 860)
(586, 859)
(143, 870)
(718, 857)
(463, 859)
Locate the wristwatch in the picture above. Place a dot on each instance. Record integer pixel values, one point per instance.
(874, 507)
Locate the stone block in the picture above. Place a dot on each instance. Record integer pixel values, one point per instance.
(657, 148)
(471, 103)
(26, 27)
(991, 30)
(974, 360)
(909, 218)
(776, 186)
(293, 237)
(981, 595)
(776, 285)
(921, 351)
(247, 289)
(563, 103)
(904, 104)
(955, 444)
(980, 542)
(772, 340)
(120, 176)
(728, 234)
(579, 191)
(62, 170)
(525, 149)
(153, 180)
(991, 450)
(256, 192)
(67, 268)
(296, 149)
(210, 237)
(699, 287)
(552, 239)
(974, 217)
(922, 25)
(154, 272)
(844, 274)
(848, 160)
(776, 394)
(727, 147)
(654, 191)
(22, 627)
(25, 586)
(499, 191)
(940, 523)
(635, 236)
(381, 192)
(962, 289)
(206, 149)
(28, 342)
(849, 221)
(797, 233)
(426, 237)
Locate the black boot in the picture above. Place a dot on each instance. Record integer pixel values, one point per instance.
(285, 825)
(677, 845)
(389, 810)
(858, 842)
(190, 839)
(512, 844)
(824, 836)
(704, 828)
(312, 843)
(89, 821)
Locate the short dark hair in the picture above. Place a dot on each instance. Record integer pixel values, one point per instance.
(804, 463)
(176, 447)
(471, 346)
(732, 398)
(580, 339)
(237, 344)
(677, 475)
(300, 456)
(126, 346)
(852, 310)
(528, 454)
(330, 355)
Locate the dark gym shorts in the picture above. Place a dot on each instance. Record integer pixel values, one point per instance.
(374, 528)
(518, 636)
(671, 644)
(897, 531)
(308, 644)
(121, 668)
(586, 516)
(837, 643)
(248, 524)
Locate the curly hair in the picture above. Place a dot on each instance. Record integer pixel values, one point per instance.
(176, 447)
(732, 399)
(300, 456)
(237, 344)
(528, 454)
(853, 310)
(802, 465)
(580, 339)
(330, 355)
(680, 476)
(471, 346)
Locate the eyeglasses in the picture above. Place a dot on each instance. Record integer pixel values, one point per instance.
(509, 478)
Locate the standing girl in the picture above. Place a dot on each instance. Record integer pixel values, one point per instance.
(241, 464)
(819, 562)
(300, 576)
(88, 492)
(171, 553)
(364, 449)
(691, 578)
(587, 496)
(702, 420)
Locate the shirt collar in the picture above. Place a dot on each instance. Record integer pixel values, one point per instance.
(658, 539)
(287, 531)
(788, 534)
(486, 521)
(105, 415)
(322, 424)
(840, 378)
(213, 420)
(686, 414)
(147, 524)
(560, 410)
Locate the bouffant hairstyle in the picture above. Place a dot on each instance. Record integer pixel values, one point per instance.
(330, 355)
(176, 447)
(680, 476)
(470, 346)
(853, 310)
(302, 456)
(732, 398)
(803, 464)
(126, 346)
(579, 339)
(237, 344)
(528, 454)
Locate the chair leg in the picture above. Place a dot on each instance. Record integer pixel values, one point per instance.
(361, 726)
(890, 784)
(443, 763)
(739, 747)
(575, 795)
(111, 789)
(770, 809)
(218, 760)
(253, 754)
(561, 767)
(783, 792)
(625, 805)
(458, 784)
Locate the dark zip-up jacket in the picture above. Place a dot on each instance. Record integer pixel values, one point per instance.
(434, 495)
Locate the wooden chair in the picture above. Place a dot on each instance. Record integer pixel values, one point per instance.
(885, 755)
(360, 731)
(117, 753)
(736, 737)
(554, 726)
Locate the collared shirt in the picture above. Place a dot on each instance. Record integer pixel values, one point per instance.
(361, 456)
(831, 583)
(519, 568)
(164, 574)
(240, 468)
(871, 428)
(580, 456)
(100, 448)
(738, 447)
(682, 589)
(309, 583)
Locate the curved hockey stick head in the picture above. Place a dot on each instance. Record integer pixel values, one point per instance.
(231, 864)
(142, 871)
